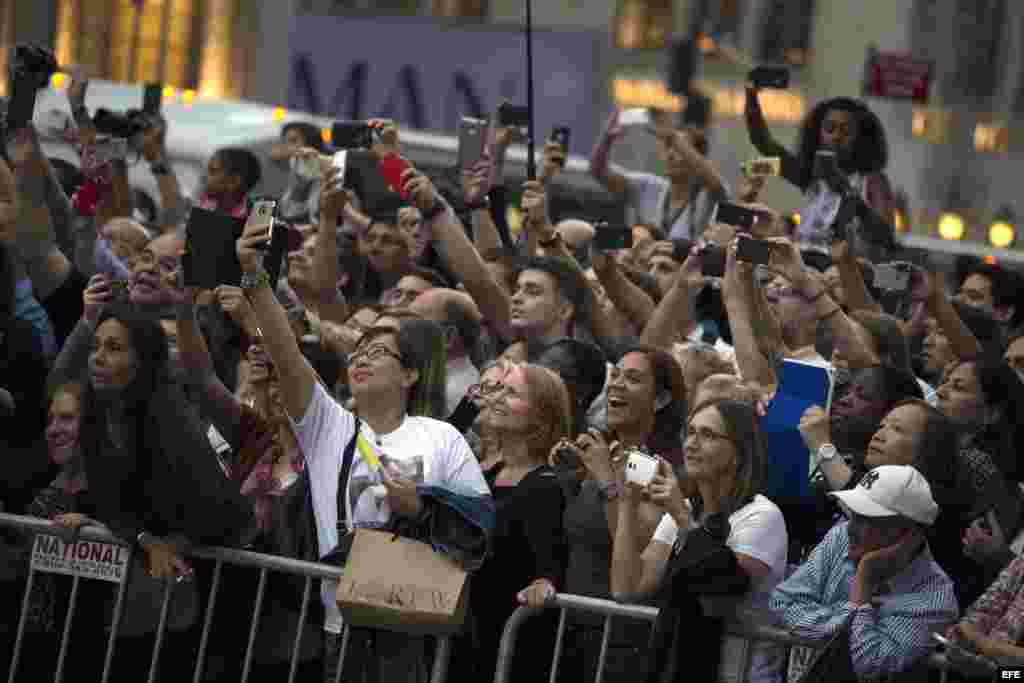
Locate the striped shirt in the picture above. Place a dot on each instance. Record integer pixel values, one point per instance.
(887, 635)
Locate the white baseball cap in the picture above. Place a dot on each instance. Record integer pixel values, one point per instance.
(891, 490)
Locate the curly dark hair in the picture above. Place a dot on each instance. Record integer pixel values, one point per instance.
(871, 151)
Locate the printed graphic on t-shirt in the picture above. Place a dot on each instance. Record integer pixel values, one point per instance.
(370, 508)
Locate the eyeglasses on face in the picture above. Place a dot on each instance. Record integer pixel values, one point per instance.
(373, 354)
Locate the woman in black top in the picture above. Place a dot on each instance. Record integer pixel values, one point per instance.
(529, 412)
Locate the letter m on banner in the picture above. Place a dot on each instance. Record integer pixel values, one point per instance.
(349, 99)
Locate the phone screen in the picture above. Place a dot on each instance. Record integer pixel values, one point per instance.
(753, 251)
(472, 140)
(770, 77)
(392, 167)
(713, 261)
(734, 214)
(612, 237)
(892, 278)
(513, 115)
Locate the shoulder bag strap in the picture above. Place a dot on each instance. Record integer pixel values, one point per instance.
(343, 477)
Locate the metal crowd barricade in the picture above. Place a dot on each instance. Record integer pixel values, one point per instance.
(52, 557)
(610, 610)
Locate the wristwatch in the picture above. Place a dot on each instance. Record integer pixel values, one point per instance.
(826, 452)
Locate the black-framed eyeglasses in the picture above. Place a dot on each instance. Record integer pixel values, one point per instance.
(373, 354)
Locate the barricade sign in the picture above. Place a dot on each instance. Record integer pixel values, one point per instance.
(84, 558)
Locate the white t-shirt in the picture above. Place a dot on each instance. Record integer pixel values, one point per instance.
(757, 530)
(422, 449)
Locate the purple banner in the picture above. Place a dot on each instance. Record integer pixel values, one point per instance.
(427, 76)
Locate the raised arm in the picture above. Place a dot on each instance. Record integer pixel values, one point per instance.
(600, 165)
(699, 165)
(173, 206)
(459, 253)
(216, 401)
(676, 311)
(739, 297)
(333, 200)
(763, 140)
(854, 288)
(963, 342)
(626, 296)
(297, 378)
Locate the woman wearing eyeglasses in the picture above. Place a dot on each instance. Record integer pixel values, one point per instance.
(408, 463)
(718, 537)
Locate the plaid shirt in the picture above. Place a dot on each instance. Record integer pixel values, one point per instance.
(887, 635)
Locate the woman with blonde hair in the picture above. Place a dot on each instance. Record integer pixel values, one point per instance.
(527, 412)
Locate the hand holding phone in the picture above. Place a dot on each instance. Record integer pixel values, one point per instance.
(392, 167)
(561, 135)
(735, 215)
(472, 142)
(636, 117)
(712, 259)
(513, 116)
(640, 468)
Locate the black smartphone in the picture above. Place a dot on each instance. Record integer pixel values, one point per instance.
(561, 135)
(712, 261)
(612, 237)
(757, 252)
(211, 259)
(847, 211)
(152, 98)
(351, 135)
(734, 214)
(513, 115)
(776, 77)
(21, 105)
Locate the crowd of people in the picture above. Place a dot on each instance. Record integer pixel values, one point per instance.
(419, 366)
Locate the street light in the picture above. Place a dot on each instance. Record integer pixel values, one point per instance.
(1001, 234)
(951, 226)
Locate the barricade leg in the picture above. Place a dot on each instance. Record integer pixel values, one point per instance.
(559, 644)
(441, 656)
(204, 639)
(606, 636)
(20, 635)
(299, 628)
(115, 624)
(66, 636)
(257, 608)
(340, 664)
(161, 629)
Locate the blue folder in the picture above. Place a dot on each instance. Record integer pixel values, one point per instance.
(801, 385)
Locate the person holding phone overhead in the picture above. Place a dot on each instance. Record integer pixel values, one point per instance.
(681, 203)
(854, 136)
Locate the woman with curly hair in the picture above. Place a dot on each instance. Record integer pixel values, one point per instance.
(855, 135)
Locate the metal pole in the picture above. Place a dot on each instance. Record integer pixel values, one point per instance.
(531, 162)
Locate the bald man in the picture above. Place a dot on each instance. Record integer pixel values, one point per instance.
(458, 314)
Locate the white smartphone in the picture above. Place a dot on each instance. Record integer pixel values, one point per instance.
(635, 117)
(640, 468)
(340, 162)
